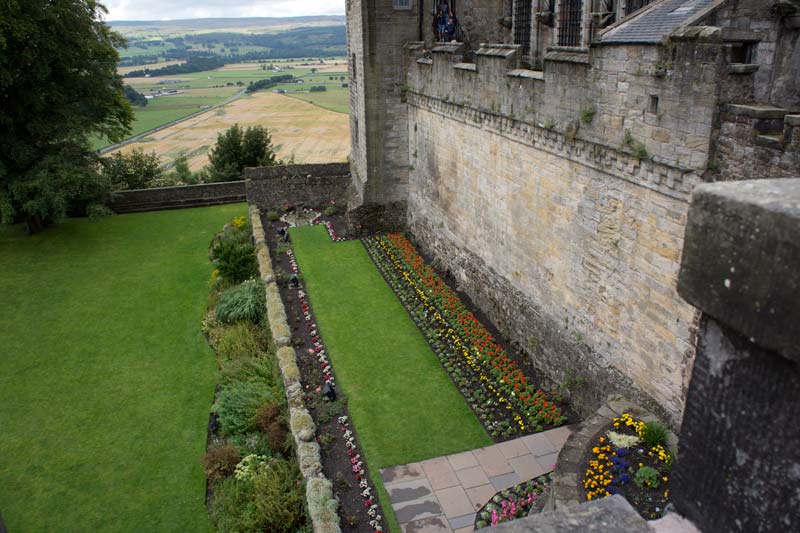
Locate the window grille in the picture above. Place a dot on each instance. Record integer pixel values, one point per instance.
(522, 25)
(633, 5)
(570, 18)
(401, 4)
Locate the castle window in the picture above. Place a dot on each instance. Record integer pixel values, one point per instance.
(570, 20)
(743, 52)
(653, 107)
(401, 4)
(522, 25)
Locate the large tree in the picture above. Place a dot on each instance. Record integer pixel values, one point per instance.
(58, 86)
(237, 149)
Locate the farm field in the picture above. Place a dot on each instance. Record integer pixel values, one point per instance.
(105, 377)
(299, 129)
(335, 98)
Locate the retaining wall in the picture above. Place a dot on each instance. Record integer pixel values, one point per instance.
(179, 197)
(322, 506)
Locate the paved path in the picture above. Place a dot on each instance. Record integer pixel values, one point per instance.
(443, 494)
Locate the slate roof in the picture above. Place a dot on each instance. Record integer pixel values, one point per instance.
(657, 22)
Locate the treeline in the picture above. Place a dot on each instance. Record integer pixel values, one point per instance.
(298, 42)
(134, 97)
(268, 83)
(194, 64)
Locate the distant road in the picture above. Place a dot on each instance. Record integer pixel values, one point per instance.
(140, 136)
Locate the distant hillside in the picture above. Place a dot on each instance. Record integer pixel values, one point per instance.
(231, 40)
(144, 29)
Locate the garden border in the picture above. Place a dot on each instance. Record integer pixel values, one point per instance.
(322, 506)
(569, 469)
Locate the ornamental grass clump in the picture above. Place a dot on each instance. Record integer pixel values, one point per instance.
(244, 302)
(238, 403)
(653, 434)
(241, 340)
(270, 498)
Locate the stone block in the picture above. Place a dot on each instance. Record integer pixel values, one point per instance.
(737, 233)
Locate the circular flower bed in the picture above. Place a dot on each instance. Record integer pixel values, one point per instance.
(631, 459)
(513, 503)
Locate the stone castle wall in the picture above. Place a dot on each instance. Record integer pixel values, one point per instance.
(552, 224)
(576, 265)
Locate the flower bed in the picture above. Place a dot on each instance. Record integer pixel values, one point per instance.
(340, 451)
(513, 503)
(631, 458)
(500, 394)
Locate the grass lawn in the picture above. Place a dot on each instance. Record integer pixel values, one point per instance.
(105, 378)
(403, 404)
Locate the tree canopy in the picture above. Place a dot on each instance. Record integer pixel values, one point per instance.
(58, 86)
(237, 149)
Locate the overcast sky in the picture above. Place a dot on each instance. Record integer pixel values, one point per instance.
(190, 9)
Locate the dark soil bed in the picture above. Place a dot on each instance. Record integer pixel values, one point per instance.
(336, 462)
(614, 471)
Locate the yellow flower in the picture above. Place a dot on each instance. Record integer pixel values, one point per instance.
(214, 273)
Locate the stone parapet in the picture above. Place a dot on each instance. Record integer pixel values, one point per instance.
(660, 99)
(161, 198)
(308, 185)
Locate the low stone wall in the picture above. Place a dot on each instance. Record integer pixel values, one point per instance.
(308, 185)
(180, 197)
(319, 492)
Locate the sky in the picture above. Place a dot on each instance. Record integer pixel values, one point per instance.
(189, 9)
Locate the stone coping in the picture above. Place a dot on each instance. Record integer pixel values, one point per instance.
(569, 470)
(740, 257)
(755, 111)
(319, 492)
(443, 494)
(472, 67)
(525, 73)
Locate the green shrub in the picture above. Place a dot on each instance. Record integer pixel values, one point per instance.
(330, 210)
(252, 443)
(220, 461)
(237, 404)
(235, 261)
(272, 500)
(273, 216)
(648, 477)
(653, 434)
(245, 302)
(327, 410)
(271, 420)
(239, 340)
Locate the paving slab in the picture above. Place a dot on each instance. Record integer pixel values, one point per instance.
(558, 436)
(548, 461)
(480, 496)
(454, 501)
(463, 522)
(469, 529)
(406, 491)
(527, 467)
(505, 481)
(472, 477)
(538, 444)
(460, 461)
(417, 510)
(440, 474)
(436, 524)
(513, 448)
(492, 461)
(407, 472)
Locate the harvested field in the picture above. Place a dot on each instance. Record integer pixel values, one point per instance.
(310, 133)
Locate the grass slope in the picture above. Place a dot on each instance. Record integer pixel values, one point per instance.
(105, 379)
(403, 405)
